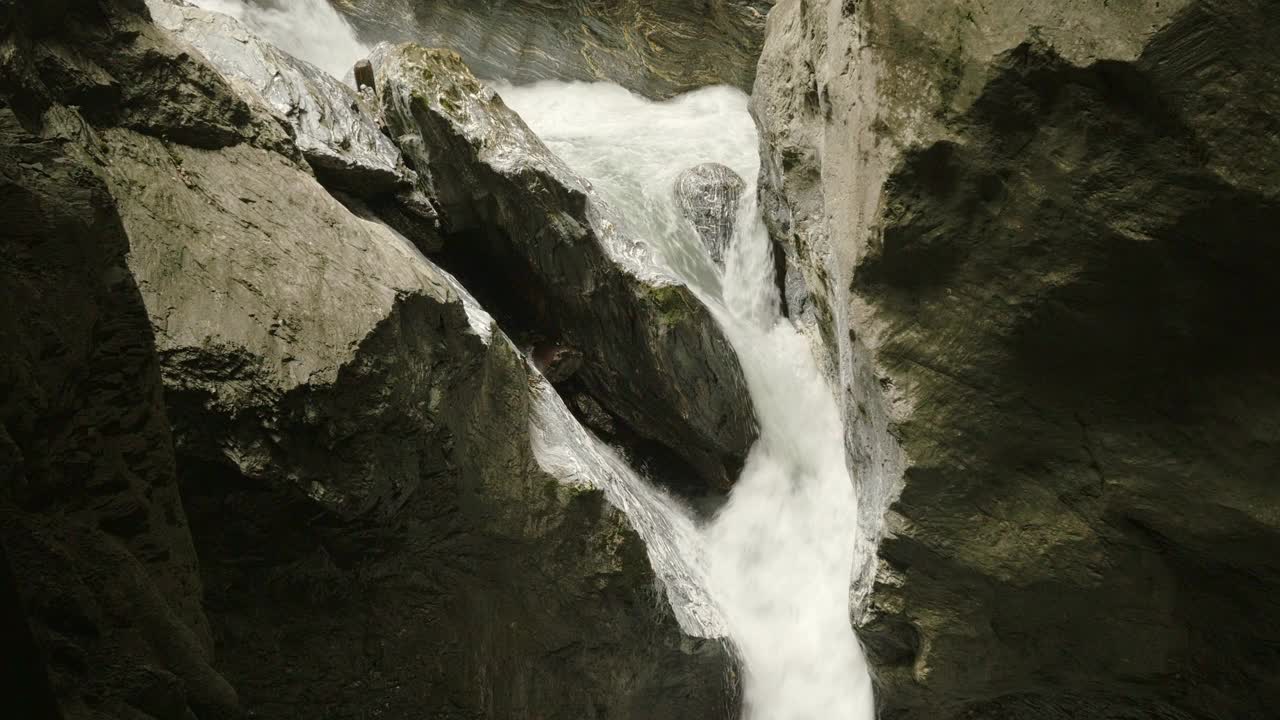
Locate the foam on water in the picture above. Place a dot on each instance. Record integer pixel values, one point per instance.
(307, 29)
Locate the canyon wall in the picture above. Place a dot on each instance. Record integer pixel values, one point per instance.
(1038, 243)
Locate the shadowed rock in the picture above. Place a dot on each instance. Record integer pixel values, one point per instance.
(91, 519)
(1040, 239)
(363, 73)
(557, 363)
(708, 197)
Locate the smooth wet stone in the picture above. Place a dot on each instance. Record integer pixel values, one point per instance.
(708, 197)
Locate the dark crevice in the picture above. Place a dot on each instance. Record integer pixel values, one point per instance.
(22, 661)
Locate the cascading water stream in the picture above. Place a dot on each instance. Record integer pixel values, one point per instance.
(779, 555)
(772, 569)
(309, 30)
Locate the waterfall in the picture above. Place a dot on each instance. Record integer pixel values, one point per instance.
(771, 571)
(779, 555)
(310, 30)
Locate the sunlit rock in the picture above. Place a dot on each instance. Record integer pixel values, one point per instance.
(334, 126)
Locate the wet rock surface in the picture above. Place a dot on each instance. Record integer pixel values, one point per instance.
(333, 125)
(658, 48)
(560, 266)
(708, 197)
(1057, 266)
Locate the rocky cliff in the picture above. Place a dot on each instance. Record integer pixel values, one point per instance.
(217, 351)
(92, 520)
(658, 48)
(1038, 242)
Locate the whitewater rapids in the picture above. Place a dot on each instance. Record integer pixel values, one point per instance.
(779, 555)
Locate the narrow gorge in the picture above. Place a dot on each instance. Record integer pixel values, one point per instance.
(640, 359)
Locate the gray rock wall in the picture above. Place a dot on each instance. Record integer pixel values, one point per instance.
(92, 524)
(1047, 232)
(658, 48)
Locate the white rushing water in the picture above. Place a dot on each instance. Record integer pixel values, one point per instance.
(307, 29)
(779, 556)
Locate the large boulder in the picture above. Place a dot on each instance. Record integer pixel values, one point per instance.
(93, 526)
(658, 48)
(1041, 240)
(553, 260)
(708, 196)
(367, 429)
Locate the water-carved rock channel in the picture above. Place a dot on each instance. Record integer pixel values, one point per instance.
(542, 372)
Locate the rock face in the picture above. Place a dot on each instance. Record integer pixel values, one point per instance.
(370, 437)
(336, 128)
(93, 526)
(378, 532)
(1047, 231)
(658, 48)
(708, 197)
(92, 522)
(522, 224)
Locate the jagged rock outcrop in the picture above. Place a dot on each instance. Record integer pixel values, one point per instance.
(658, 48)
(522, 224)
(334, 126)
(378, 533)
(1047, 230)
(707, 196)
(369, 434)
(94, 528)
